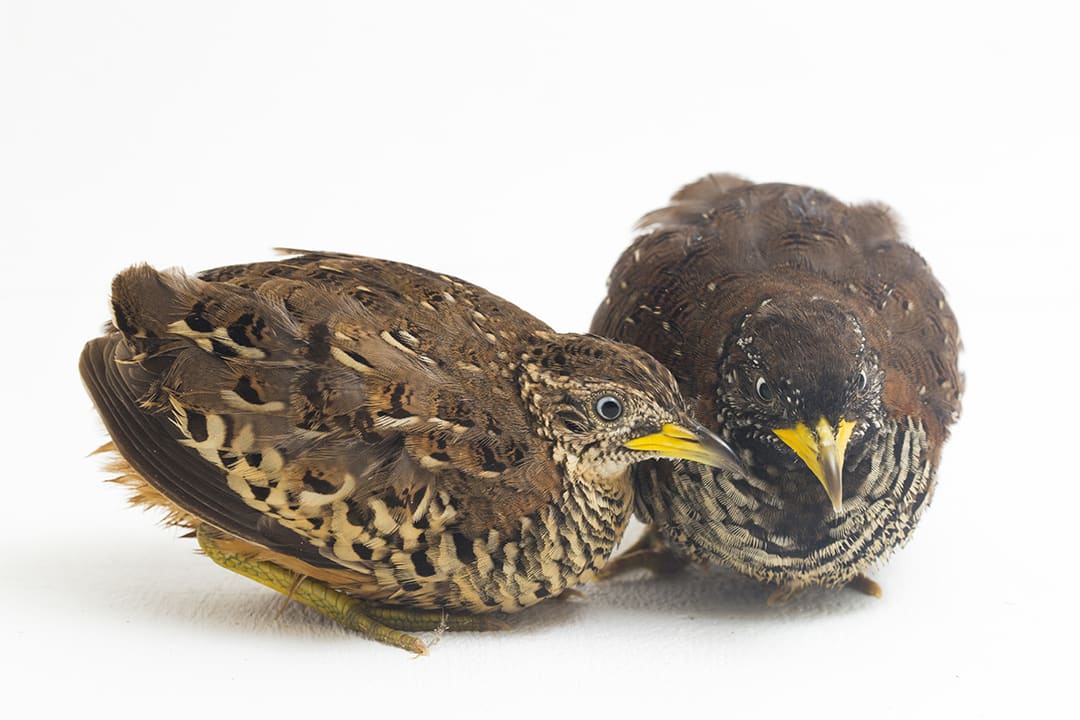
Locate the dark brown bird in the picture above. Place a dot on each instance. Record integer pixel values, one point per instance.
(820, 347)
(384, 444)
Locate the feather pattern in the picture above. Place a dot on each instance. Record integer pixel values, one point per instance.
(394, 432)
(736, 286)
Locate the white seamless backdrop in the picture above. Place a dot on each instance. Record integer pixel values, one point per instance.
(514, 144)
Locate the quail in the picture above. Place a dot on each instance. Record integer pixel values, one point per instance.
(821, 347)
(395, 448)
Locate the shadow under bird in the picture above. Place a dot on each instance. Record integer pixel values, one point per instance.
(821, 347)
(395, 448)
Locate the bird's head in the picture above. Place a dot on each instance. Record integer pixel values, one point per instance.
(800, 379)
(608, 405)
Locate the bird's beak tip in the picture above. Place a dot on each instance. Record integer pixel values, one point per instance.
(822, 449)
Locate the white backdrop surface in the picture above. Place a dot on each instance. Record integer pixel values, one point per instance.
(514, 144)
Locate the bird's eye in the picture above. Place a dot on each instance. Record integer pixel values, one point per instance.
(860, 381)
(763, 390)
(609, 408)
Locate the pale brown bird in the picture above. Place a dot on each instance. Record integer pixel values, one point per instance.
(398, 449)
(820, 346)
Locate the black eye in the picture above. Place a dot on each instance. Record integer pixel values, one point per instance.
(763, 390)
(860, 381)
(608, 407)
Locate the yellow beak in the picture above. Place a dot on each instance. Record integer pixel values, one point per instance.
(822, 450)
(690, 441)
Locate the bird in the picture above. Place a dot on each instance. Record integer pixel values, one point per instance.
(396, 448)
(820, 346)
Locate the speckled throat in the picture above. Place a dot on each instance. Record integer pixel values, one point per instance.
(742, 523)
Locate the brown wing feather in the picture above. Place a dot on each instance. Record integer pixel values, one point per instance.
(152, 444)
(275, 400)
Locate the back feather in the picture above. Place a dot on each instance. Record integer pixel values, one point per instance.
(277, 399)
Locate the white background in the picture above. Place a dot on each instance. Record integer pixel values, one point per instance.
(514, 145)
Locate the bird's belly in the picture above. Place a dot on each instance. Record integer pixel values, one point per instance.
(774, 531)
(561, 545)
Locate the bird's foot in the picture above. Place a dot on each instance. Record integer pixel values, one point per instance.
(412, 619)
(650, 553)
(784, 594)
(788, 591)
(388, 625)
(570, 594)
(865, 585)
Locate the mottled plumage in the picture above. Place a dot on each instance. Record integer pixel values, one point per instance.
(405, 438)
(820, 346)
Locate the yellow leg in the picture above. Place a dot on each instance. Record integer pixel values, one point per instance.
(650, 552)
(381, 623)
(411, 619)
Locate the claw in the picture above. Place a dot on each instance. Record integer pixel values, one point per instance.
(865, 585)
